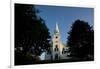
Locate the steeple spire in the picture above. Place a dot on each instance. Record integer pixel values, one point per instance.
(57, 28)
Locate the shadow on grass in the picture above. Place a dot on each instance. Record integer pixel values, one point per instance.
(58, 61)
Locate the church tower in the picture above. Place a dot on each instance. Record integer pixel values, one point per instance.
(56, 44)
(58, 49)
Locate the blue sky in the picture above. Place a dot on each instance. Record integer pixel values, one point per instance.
(65, 16)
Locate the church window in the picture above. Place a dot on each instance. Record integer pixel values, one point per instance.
(56, 46)
(63, 51)
(56, 37)
(55, 49)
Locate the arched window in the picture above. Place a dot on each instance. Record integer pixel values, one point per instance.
(56, 47)
(63, 51)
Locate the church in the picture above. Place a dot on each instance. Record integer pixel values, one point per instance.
(58, 49)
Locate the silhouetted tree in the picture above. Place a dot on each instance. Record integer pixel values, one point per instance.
(30, 33)
(81, 40)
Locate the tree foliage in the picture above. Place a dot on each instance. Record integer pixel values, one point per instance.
(31, 31)
(81, 40)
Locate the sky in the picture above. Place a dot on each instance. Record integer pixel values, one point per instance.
(64, 16)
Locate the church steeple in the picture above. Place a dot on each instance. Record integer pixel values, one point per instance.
(56, 43)
(57, 28)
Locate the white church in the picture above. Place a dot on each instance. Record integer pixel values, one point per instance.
(58, 49)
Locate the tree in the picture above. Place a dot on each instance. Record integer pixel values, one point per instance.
(30, 32)
(81, 40)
